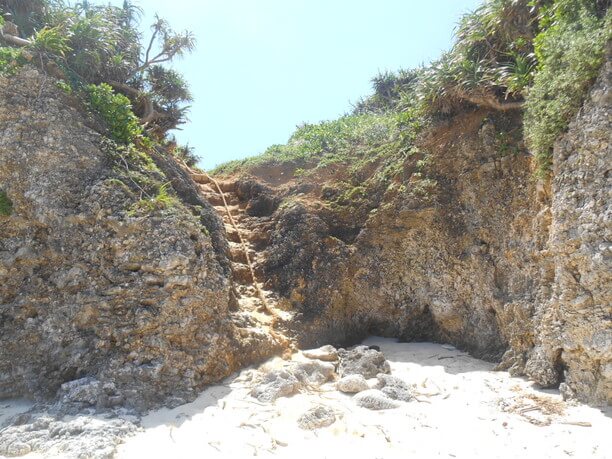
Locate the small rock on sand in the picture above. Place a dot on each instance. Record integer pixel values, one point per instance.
(314, 372)
(394, 387)
(326, 353)
(17, 449)
(352, 384)
(362, 360)
(275, 384)
(374, 399)
(316, 418)
(287, 381)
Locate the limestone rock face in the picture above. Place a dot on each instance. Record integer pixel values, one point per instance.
(574, 343)
(120, 307)
(88, 288)
(467, 248)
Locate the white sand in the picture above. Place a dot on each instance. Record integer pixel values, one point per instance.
(466, 411)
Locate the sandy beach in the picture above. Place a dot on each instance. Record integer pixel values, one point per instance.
(464, 410)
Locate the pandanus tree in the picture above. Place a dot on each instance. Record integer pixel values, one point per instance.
(91, 44)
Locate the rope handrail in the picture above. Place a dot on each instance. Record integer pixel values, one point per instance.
(260, 294)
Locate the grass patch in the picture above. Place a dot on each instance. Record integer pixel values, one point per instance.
(352, 139)
(6, 205)
(162, 200)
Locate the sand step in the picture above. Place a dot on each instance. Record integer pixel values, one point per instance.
(206, 188)
(214, 199)
(242, 273)
(200, 178)
(255, 233)
(233, 208)
(232, 234)
(237, 253)
(227, 187)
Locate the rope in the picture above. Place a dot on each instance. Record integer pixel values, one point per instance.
(260, 294)
(245, 249)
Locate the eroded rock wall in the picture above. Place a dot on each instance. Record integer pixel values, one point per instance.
(467, 247)
(454, 262)
(574, 325)
(138, 301)
(479, 253)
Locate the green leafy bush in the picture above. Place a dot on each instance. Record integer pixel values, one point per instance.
(6, 206)
(162, 200)
(570, 51)
(392, 91)
(95, 42)
(116, 111)
(51, 40)
(185, 153)
(10, 60)
(491, 64)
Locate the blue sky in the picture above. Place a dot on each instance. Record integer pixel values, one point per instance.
(264, 66)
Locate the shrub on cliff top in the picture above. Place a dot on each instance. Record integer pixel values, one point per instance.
(570, 51)
(491, 63)
(327, 142)
(95, 43)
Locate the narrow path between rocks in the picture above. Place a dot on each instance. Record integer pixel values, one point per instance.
(458, 408)
(247, 238)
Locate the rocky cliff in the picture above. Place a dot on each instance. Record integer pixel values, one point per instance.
(115, 280)
(113, 271)
(466, 247)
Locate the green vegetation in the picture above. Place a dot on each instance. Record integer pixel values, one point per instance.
(97, 54)
(570, 50)
(6, 205)
(539, 55)
(392, 92)
(51, 40)
(116, 111)
(184, 153)
(136, 175)
(491, 64)
(10, 60)
(535, 56)
(90, 44)
(344, 140)
(162, 200)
